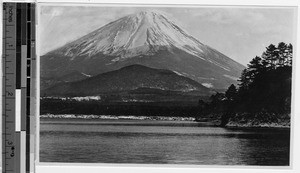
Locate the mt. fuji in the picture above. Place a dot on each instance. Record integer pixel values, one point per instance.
(146, 38)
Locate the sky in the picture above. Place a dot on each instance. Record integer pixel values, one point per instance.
(240, 33)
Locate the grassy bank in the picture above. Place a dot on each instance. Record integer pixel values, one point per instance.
(263, 120)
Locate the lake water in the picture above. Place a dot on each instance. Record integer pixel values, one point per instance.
(160, 142)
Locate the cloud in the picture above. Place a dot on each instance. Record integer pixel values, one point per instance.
(52, 11)
(207, 85)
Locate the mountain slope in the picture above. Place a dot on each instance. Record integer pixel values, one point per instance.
(134, 78)
(47, 82)
(146, 38)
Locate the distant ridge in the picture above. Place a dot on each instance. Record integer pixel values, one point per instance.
(130, 78)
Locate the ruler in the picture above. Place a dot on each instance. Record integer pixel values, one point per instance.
(18, 60)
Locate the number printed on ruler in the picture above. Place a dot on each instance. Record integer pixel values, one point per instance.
(9, 66)
(18, 38)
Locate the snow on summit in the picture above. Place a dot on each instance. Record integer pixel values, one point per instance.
(148, 38)
(143, 33)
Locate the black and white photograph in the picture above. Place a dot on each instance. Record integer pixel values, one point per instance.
(166, 84)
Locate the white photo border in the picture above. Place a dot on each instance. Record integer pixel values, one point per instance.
(42, 167)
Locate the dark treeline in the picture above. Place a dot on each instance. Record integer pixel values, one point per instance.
(264, 91)
(58, 106)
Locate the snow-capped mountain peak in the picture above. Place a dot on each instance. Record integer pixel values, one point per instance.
(143, 33)
(147, 38)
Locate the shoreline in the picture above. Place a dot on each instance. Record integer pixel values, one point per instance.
(215, 123)
(117, 117)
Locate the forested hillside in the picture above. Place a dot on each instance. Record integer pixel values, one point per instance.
(263, 95)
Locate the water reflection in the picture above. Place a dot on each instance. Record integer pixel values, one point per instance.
(98, 142)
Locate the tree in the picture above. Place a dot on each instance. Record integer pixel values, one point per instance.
(217, 98)
(231, 93)
(230, 101)
(279, 56)
(244, 80)
(288, 60)
(255, 67)
(216, 104)
(282, 53)
(270, 56)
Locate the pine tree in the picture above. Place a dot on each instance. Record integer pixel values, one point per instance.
(255, 67)
(231, 92)
(270, 57)
(288, 60)
(282, 53)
